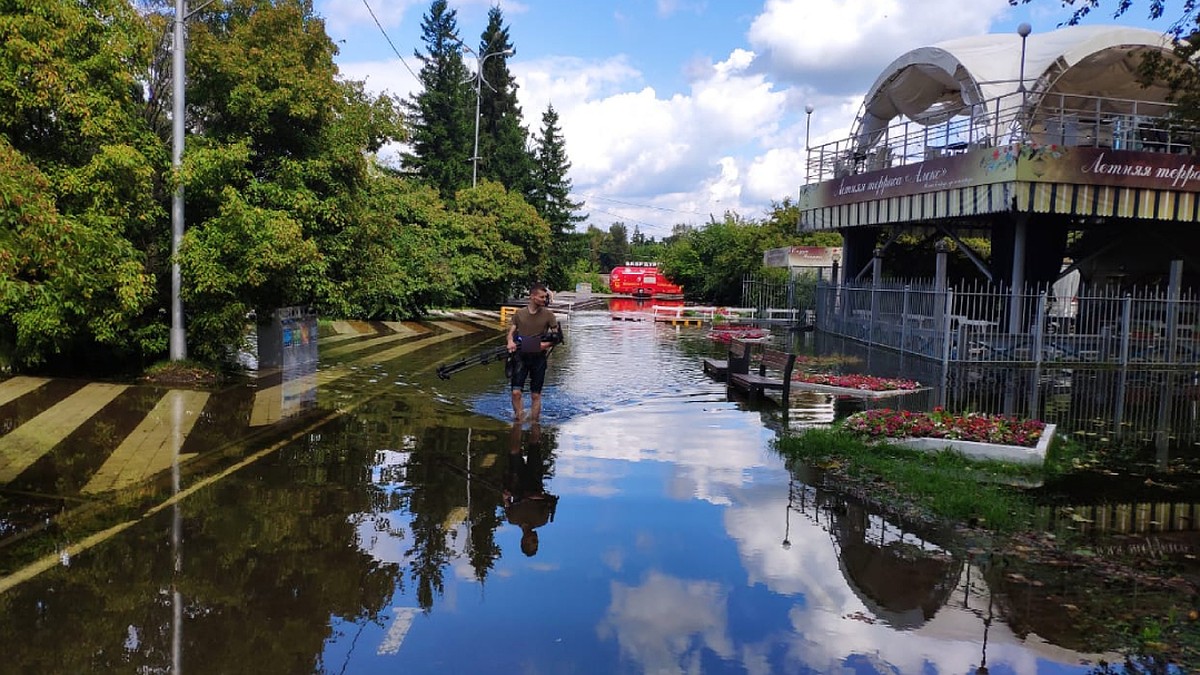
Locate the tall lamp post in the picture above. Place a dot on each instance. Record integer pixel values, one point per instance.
(177, 339)
(1023, 30)
(808, 111)
(479, 61)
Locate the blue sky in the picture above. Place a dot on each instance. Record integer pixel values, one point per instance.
(675, 111)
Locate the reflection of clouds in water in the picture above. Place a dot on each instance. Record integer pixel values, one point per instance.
(712, 448)
(828, 619)
(665, 623)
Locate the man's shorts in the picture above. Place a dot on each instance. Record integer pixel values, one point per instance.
(531, 365)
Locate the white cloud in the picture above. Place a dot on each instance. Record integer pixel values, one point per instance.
(803, 40)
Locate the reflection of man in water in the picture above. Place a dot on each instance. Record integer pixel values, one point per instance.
(526, 502)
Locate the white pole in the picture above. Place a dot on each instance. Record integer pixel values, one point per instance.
(178, 336)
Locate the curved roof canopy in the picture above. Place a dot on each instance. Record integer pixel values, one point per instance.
(930, 85)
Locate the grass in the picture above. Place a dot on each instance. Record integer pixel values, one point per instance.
(182, 372)
(943, 486)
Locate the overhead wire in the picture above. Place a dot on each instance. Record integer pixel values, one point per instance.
(389, 40)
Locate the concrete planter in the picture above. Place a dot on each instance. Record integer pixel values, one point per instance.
(984, 451)
(849, 391)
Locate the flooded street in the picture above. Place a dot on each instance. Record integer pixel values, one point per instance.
(351, 519)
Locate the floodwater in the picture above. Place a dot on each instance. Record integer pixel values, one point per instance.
(352, 518)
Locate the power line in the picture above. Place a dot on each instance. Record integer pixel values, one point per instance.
(389, 41)
(640, 206)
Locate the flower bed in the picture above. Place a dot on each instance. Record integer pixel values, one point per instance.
(859, 386)
(976, 435)
(858, 382)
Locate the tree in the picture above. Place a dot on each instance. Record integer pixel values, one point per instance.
(277, 174)
(551, 190)
(440, 116)
(78, 167)
(504, 154)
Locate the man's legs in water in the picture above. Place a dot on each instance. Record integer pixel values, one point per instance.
(517, 404)
(535, 405)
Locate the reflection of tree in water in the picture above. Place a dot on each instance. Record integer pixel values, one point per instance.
(268, 556)
(902, 577)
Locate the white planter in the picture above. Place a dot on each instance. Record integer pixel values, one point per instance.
(850, 391)
(984, 451)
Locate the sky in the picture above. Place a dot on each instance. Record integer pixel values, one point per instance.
(680, 111)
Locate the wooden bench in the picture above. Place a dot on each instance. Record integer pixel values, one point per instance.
(738, 355)
(774, 373)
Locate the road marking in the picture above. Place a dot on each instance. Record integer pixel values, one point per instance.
(367, 344)
(457, 515)
(23, 446)
(152, 446)
(14, 388)
(268, 402)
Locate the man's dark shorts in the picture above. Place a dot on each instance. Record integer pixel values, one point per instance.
(530, 365)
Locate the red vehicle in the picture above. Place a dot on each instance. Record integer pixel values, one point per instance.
(641, 279)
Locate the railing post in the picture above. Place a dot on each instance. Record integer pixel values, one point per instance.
(1039, 329)
(1126, 328)
(946, 308)
(904, 319)
(1173, 292)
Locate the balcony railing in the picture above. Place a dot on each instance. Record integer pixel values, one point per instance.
(1062, 119)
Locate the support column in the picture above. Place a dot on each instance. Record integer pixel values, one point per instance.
(1015, 309)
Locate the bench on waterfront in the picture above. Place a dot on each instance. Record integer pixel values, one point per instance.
(738, 355)
(774, 373)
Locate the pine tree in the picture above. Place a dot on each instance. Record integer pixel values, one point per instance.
(503, 140)
(441, 116)
(551, 191)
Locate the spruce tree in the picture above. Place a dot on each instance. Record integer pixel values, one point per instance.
(441, 117)
(550, 193)
(503, 140)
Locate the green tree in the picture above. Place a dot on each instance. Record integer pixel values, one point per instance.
(278, 171)
(550, 193)
(504, 154)
(77, 182)
(441, 115)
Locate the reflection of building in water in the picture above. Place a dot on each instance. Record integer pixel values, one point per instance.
(1130, 518)
(901, 577)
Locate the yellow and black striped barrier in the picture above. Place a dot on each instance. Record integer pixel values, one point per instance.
(506, 314)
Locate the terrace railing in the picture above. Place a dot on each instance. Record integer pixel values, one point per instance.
(1062, 119)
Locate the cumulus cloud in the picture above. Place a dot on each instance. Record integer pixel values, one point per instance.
(842, 43)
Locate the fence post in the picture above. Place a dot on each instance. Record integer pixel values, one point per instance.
(1039, 329)
(904, 319)
(1173, 291)
(1126, 328)
(946, 309)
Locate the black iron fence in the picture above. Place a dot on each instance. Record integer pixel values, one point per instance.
(985, 323)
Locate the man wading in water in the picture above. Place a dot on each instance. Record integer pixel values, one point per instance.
(531, 334)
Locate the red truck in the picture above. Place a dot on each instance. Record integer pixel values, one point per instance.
(641, 279)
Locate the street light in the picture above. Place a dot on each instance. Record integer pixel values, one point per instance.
(808, 111)
(479, 61)
(177, 339)
(1023, 30)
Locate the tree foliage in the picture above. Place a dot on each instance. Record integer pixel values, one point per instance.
(504, 154)
(440, 116)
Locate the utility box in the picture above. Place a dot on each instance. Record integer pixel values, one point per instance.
(288, 338)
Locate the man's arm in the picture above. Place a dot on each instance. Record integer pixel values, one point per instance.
(512, 335)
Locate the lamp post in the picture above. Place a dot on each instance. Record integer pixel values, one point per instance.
(808, 111)
(177, 339)
(479, 61)
(1023, 30)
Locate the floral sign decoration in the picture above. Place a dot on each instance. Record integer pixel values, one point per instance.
(979, 427)
(1005, 156)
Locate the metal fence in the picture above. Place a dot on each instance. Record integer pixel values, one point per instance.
(985, 323)
(793, 300)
